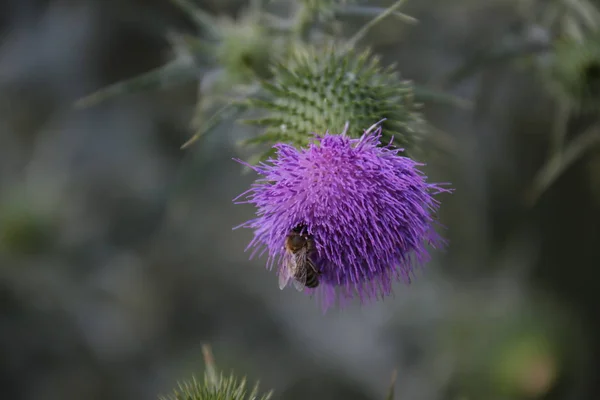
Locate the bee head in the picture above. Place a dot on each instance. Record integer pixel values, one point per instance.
(296, 241)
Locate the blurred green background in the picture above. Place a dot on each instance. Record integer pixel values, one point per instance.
(117, 258)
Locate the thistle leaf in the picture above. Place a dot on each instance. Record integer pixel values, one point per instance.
(424, 95)
(367, 11)
(575, 72)
(363, 31)
(199, 16)
(272, 136)
(322, 9)
(390, 395)
(168, 75)
(230, 110)
(560, 162)
(503, 52)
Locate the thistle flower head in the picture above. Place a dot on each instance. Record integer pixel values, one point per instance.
(368, 209)
(316, 89)
(576, 71)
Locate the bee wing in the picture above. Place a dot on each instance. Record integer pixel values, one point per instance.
(287, 270)
(300, 280)
(312, 265)
(301, 271)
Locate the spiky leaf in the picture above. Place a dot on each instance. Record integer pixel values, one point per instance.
(173, 73)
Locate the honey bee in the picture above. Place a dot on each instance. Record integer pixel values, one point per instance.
(297, 261)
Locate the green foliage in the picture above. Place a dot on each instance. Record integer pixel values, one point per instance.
(542, 22)
(314, 88)
(514, 354)
(525, 365)
(215, 387)
(321, 88)
(576, 71)
(23, 230)
(562, 39)
(323, 9)
(568, 18)
(173, 73)
(236, 51)
(242, 48)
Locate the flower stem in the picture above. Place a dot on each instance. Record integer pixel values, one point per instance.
(368, 11)
(559, 131)
(363, 31)
(201, 18)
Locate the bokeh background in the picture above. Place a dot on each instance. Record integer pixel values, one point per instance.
(118, 259)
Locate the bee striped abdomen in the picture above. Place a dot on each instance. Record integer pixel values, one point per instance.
(312, 280)
(309, 274)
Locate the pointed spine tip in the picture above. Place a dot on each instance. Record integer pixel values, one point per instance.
(209, 362)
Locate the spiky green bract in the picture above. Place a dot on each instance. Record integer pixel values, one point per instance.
(576, 71)
(227, 388)
(316, 89)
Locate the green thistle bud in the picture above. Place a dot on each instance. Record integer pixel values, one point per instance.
(320, 89)
(215, 387)
(576, 71)
(243, 48)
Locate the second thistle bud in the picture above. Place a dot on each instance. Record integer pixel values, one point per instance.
(245, 48)
(316, 89)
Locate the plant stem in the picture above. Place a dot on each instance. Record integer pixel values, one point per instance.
(302, 22)
(561, 161)
(559, 131)
(363, 31)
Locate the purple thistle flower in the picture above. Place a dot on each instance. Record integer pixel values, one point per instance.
(368, 209)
